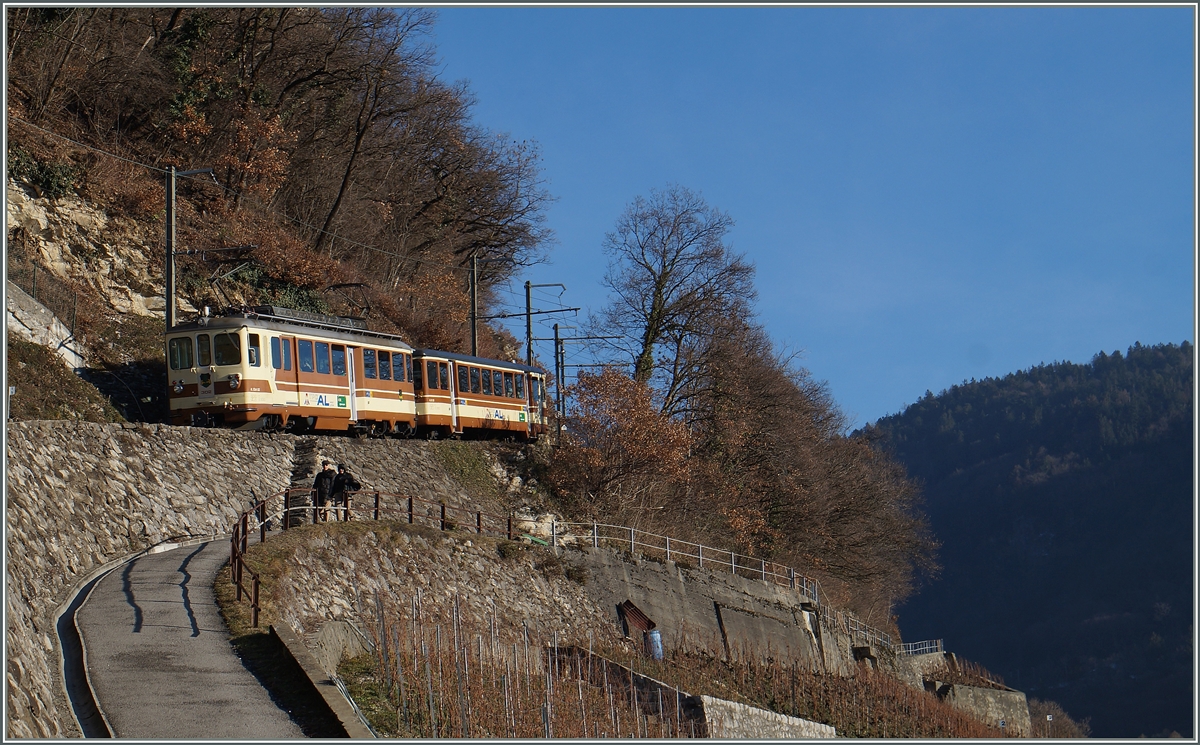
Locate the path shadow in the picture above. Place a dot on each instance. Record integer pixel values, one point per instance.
(127, 589)
(269, 661)
(183, 586)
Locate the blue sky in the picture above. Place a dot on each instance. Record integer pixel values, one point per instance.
(929, 194)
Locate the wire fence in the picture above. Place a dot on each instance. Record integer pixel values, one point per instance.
(43, 286)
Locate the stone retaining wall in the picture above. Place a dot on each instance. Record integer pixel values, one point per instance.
(80, 495)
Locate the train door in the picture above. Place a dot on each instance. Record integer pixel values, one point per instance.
(453, 398)
(352, 371)
(289, 372)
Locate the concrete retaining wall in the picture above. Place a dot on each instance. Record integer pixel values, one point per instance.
(992, 706)
(728, 720)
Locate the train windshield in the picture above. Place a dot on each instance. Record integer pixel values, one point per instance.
(227, 349)
(180, 352)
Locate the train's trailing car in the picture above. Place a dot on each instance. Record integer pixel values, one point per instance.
(459, 394)
(276, 368)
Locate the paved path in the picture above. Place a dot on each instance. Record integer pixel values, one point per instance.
(159, 658)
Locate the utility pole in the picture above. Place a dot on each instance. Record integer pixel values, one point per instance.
(169, 270)
(474, 304)
(529, 318)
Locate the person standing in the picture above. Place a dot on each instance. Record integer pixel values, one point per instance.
(344, 485)
(323, 489)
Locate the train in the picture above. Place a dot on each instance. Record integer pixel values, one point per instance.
(284, 370)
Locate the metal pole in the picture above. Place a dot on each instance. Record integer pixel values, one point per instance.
(528, 325)
(169, 271)
(474, 305)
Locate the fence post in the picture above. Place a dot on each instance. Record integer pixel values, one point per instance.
(443, 517)
(733, 562)
(668, 548)
(700, 554)
(262, 521)
(632, 541)
(245, 531)
(479, 523)
(554, 537)
(510, 533)
(410, 510)
(764, 568)
(791, 578)
(376, 504)
(595, 535)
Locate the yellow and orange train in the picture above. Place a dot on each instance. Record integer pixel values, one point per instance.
(279, 369)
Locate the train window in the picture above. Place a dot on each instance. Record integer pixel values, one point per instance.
(252, 350)
(535, 389)
(520, 386)
(431, 378)
(287, 353)
(408, 365)
(385, 365)
(276, 355)
(227, 349)
(508, 384)
(323, 357)
(306, 356)
(339, 359)
(498, 382)
(474, 380)
(398, 367)
(415, 375)
(464, 379)
(487, 382)
(181, 353)
(203, 351)
(369, 363)
(444, 371)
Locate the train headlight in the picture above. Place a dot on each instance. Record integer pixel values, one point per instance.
(234, 381)
(177, 386)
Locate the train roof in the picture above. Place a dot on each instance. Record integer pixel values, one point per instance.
(291, 321)
(478, 360)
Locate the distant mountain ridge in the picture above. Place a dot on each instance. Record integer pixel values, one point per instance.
(1063, 499)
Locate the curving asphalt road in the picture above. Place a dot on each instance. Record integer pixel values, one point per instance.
(159, 657)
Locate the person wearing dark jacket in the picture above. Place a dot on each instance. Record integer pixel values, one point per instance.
(323, 488)
(344, 485)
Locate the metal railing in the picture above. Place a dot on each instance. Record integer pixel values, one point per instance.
(926, 647)
(439, 515)
(671, 549)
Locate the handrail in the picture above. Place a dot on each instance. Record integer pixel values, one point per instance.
(925, 647)
(446, 517)
(673, 549)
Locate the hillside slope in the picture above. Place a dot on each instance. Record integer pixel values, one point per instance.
(1063, 499)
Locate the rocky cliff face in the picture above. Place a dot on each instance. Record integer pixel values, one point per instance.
(121, 259)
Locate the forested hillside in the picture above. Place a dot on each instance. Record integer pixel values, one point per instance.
(349, 178)
(1063, 499)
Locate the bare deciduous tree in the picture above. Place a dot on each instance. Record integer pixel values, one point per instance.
(674, 282)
